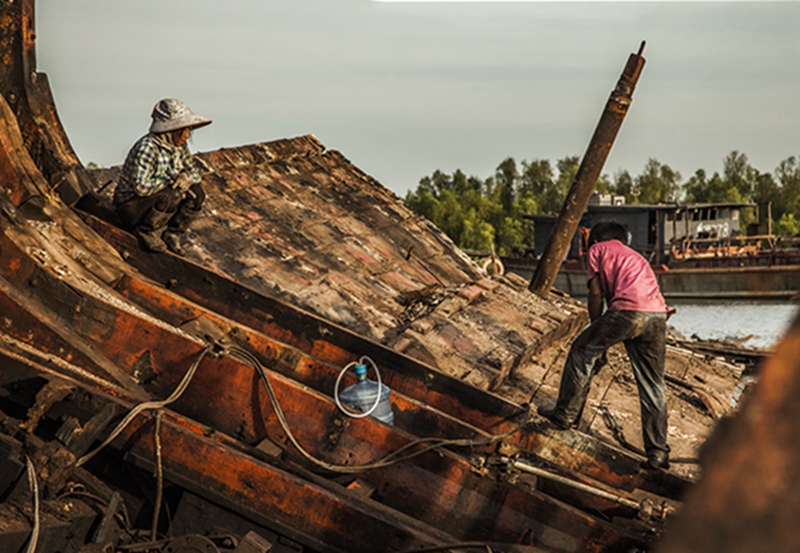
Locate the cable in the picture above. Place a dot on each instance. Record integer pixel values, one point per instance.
(464, 545)
(122, 515)
(34, 485)
(351, 414)
(187, 378)
(386, 461)
(159, 474)
(616, 430)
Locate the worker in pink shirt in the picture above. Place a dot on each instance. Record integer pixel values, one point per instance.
(636, 315)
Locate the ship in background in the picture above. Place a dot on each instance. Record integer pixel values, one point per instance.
(698, 250)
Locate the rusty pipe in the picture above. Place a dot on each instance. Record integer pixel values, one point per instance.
(645, 509)
(586, 178)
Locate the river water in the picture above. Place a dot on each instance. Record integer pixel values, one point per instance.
(720, 320)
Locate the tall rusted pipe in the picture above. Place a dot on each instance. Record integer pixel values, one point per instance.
(588, 173)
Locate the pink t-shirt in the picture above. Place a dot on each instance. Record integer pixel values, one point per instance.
(626, 278)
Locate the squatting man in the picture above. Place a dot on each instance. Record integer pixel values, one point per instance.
(159, 191)
(637, 317)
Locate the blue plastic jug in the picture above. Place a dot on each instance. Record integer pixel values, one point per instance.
(363, 393)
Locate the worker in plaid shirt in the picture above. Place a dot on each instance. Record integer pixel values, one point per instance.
(159, 191)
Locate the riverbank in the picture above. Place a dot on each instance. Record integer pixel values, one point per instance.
(764, 322)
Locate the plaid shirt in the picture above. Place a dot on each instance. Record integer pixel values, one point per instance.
(151, 167)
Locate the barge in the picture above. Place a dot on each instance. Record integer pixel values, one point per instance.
(697, 251)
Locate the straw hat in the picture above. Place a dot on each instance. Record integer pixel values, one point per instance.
(170, 114)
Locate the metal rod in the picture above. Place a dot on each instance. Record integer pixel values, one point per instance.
(525, 467)
(582, 187)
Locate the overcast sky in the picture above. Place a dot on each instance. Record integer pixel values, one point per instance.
(404, 88)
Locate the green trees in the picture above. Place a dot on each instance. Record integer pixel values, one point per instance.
(786, 197)
(736, 184)
(480, 213)
(657, 183)
(463, 207)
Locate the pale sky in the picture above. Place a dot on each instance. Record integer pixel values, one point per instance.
(404, 88)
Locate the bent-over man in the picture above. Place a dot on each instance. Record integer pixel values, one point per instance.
(636, 316)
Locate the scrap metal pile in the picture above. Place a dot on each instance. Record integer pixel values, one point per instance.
(150, 402)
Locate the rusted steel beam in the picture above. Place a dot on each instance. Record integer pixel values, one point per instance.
(586, 178)
(337, 346)
(35, 331)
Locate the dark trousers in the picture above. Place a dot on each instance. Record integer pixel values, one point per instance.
(644, 336)
(134, 212)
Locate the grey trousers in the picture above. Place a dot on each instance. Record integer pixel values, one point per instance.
(644, 336)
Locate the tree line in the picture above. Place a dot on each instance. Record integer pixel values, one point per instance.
(480, 213)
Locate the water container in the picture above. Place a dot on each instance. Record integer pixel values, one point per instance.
(362, 394)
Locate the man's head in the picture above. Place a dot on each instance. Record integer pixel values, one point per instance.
(608, 230)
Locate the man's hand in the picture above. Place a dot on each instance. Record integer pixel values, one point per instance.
(182, 182)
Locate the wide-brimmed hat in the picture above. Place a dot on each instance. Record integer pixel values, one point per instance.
(170, 114)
